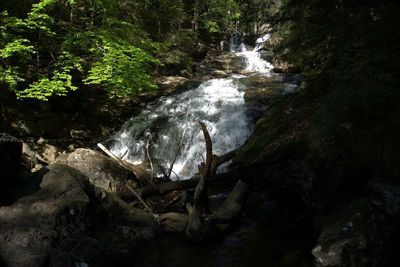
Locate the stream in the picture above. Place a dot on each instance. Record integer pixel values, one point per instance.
(167, 129)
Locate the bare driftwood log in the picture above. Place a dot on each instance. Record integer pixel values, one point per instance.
(222, 179)
(123, 163)
(231, 209)
(165, 188)
(205, 170)
(168, 187)
(129, 167)
(212, 226)
(139, 171)
(200, 199)
(195, 225)
(174, 222)
(227, 157)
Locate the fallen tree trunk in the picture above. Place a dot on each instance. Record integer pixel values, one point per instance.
(227, 157)
(141, 175)
(165, 188)
(224, 180)
(195, 225)
(231, 209)
(212, 226)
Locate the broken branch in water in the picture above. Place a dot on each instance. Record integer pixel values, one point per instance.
(195, 226)
(149, 158)
(136, 170)
(200, 199)
(207, 165)
(178, 148)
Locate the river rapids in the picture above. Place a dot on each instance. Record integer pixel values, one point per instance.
(167, 131)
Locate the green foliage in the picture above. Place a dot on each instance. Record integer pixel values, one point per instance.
(59, 84)
(94, 46)
(121, 68)
(52, 47)
(18, 47)
(174, 52)
(220, 16)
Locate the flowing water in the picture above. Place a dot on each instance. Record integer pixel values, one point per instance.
(167, 130)
(253, 59)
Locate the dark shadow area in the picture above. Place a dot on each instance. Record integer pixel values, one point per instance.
(22, 184)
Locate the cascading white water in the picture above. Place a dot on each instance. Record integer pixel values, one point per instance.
(253, 57)
(168, 128)
(219, 103)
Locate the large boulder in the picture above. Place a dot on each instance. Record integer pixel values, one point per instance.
(102, 171)
(69, 222)
(30, 226)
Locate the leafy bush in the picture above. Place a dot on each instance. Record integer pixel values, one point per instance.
(47, 52)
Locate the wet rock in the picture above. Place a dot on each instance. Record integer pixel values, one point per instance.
(220, 74)
(171, 83)
(245, 72)
(260, 92)
(102, 171)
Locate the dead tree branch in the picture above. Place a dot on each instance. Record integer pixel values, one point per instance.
(178, 148)
(212, 226)
(200, 199)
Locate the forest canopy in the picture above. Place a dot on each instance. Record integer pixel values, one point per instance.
(53, 47)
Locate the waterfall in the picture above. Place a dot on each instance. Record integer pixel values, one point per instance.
(168, 128)
(253, 57)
